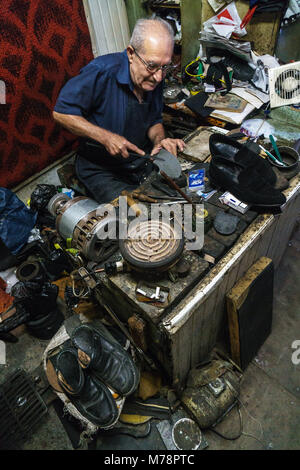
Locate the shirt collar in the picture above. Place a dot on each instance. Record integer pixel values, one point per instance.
(123, 75)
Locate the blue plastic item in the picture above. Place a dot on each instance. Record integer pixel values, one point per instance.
(16, 221)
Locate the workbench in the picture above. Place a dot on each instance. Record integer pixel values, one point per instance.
(184, 333)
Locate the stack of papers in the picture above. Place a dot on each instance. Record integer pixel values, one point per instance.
(241, 50)
(254, 99)
(234, 118)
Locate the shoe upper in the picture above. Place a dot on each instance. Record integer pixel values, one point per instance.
(247, 185)
(69, 373)
(96, 402)
(242, 172)
(246, 155)
(108, 360)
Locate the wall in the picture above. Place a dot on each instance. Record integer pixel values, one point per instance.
(108, 25)
(42, 44)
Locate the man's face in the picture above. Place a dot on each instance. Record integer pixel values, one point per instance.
(157, 52)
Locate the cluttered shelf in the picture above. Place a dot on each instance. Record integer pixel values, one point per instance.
(165, 4)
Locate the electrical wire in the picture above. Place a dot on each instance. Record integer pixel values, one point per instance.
(227, 437)
(241, 432)
(254, 419)
(191, 63)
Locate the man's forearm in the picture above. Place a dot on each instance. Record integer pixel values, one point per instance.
(156, 134)
(114, 143)
(80, 126)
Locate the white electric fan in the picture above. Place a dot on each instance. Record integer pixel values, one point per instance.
(284, 85)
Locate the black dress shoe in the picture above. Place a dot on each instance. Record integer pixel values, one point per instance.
(244, 183)
(96, 403)
(106, 358)
(69, 373)
(247, 155)
(90, 396)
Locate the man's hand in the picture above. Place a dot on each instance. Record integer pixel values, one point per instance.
(114, 143)
(171, 145)
(117, 145)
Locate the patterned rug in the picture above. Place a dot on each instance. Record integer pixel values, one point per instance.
(42, 44)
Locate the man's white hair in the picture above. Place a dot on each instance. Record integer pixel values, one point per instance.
(145, 25)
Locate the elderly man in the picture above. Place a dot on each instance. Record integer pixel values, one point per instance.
(115, 106)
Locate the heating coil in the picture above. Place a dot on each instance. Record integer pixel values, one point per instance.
(152, 246)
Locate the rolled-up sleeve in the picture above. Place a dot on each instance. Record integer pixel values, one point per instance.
(80, 93)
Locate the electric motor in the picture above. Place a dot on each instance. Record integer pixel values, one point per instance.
(88, 224)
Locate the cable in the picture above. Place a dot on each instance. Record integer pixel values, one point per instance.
(190, 74)
(254, 419)
(254, 437)
(231, 438)
(241, 433)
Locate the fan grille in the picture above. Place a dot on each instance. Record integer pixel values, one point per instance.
(284, 85)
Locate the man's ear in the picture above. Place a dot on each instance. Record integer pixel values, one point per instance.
(130, 53)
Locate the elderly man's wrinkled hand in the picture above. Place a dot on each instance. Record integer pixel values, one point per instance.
(171, 145)
(117, 145)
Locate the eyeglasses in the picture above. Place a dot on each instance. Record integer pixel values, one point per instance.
(153, 68)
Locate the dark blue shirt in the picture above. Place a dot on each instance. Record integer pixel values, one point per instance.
(100, 94)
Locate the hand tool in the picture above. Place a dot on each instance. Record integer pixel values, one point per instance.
(165, 198)
(181, 201)
(248, 17)
(275, 148)
(143, 197)
(153, 198)
(272, 156)
(175, 186)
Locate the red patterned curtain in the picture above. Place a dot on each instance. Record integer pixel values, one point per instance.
(43, 43)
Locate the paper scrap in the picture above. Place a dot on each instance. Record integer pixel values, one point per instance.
(225, 23)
